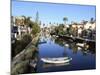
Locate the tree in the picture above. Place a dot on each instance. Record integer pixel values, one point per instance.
(27, 20)
(84, 22)
(50, 23)
(35, 29)
(57, 24)
(92, 20)
(65, 19)
(43, 24)
(59, 29)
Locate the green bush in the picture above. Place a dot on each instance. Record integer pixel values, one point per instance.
(26, 39)
(20, 68)
(35, 29)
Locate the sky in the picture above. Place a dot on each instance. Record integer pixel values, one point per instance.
(52, 12)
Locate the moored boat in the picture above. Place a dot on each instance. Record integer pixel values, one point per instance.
(56, 60)
(66, 45)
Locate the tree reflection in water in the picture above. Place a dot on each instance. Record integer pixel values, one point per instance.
(56, 47)
(74, 47)
(65, 51)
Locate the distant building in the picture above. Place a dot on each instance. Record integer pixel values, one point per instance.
(78, 25)
(88, 25)
(19, 20)
(19, 28)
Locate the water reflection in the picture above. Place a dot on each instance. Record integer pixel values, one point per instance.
(83, 58)
(56, 65)
(73, 46)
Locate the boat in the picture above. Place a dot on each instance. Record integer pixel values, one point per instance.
(56, 60)
(43, 42)
(66, 45)
(80, 44)
(57, 36)
(79, 48)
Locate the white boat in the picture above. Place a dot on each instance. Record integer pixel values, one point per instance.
(80, 44)
(79, 48)
(56, 60)
(66, 45)
(57, 36)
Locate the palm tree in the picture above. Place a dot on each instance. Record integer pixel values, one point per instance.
(50, 23)
(57, 24)
(65, 19)
(84, 22)
(92, 20)
(27, 21)
(43, 24)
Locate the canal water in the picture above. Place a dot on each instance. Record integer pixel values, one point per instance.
(52, 47)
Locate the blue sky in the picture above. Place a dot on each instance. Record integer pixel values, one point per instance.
(50, 12)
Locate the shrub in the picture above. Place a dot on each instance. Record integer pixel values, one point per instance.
(20, 68)
(35, 29)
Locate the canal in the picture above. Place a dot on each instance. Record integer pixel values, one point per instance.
(52, 46)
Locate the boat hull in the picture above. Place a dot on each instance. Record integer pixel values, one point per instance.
(56, 60)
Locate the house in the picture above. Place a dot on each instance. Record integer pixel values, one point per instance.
(18, 26)
(78, 25)
(88, 25)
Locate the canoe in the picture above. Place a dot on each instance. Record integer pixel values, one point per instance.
(56, 60)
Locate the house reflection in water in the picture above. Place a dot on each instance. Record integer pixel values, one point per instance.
(72, 46)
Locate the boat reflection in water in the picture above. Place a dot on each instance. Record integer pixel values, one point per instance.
(61, 61)
(56, 65)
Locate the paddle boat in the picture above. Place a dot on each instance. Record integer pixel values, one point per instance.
(56, 60)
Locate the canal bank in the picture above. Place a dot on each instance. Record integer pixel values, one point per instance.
(21, 62)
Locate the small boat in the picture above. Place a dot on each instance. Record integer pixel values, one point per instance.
(80, 44)
(79, 48)
(57, 36)
(56, 60)
(42, 42)
(66, 45)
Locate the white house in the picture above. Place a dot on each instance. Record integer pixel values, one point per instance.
(88, 25)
